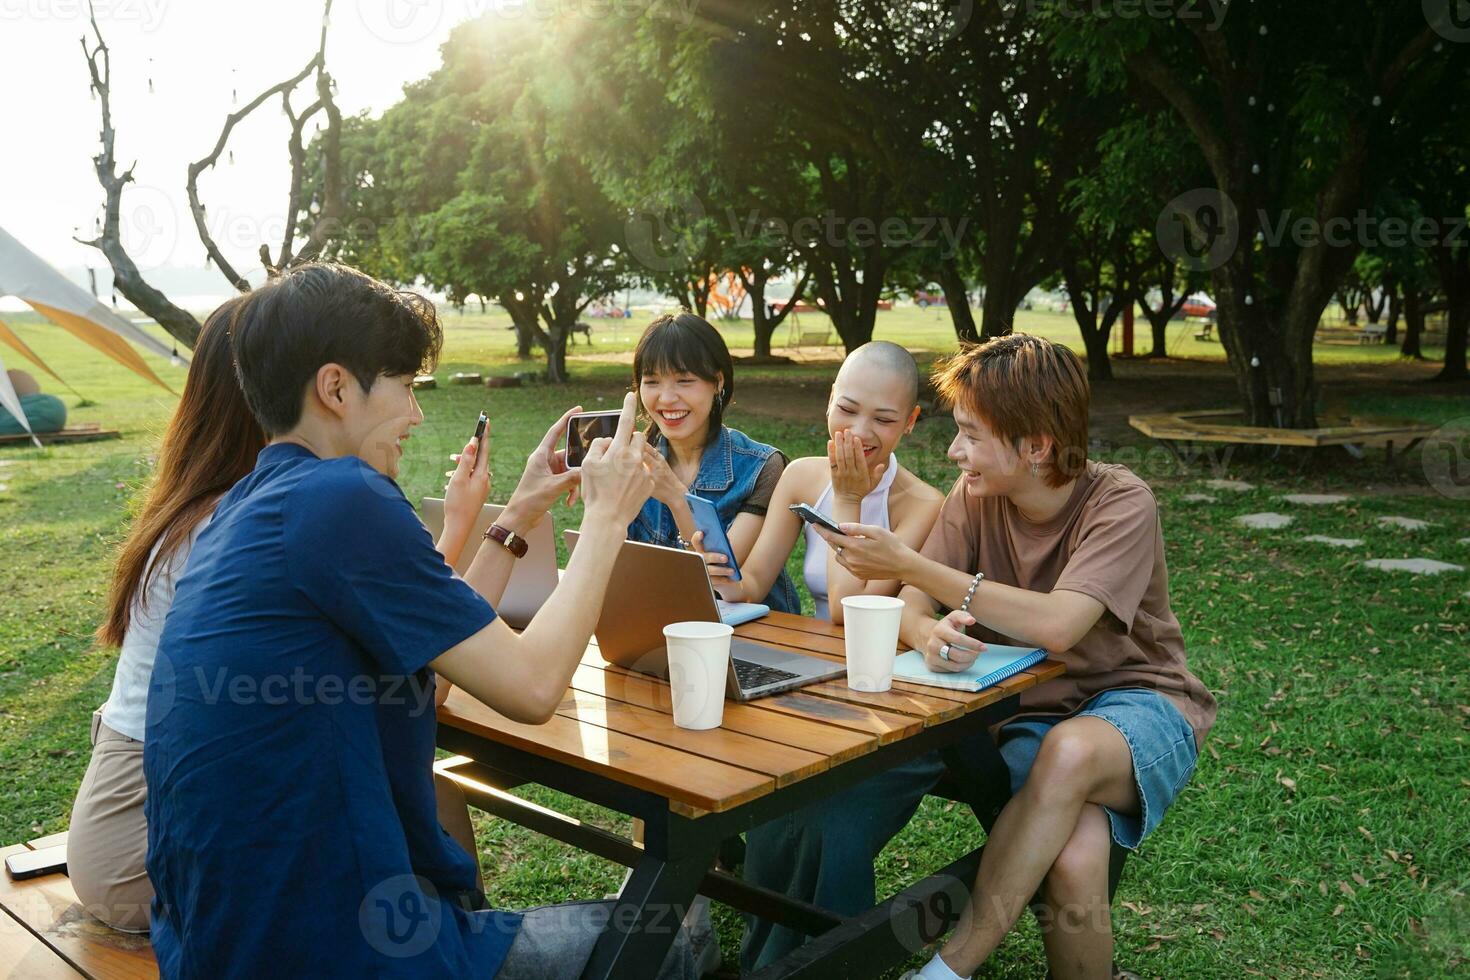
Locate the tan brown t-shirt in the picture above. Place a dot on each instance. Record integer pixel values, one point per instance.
(1105, 543)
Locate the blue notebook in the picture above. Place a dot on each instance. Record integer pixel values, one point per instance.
(735, 613)
(991, 667)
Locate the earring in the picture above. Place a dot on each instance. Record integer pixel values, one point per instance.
(1035, 468)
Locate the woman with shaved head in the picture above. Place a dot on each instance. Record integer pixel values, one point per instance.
(872, 406)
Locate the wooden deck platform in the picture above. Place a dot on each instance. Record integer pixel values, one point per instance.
(1206, 426)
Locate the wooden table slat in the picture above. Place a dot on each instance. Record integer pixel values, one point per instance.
(783, 763)
(885, 725)
(838, 744)
(681, 777)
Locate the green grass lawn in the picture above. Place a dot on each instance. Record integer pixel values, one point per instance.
(1326, 830)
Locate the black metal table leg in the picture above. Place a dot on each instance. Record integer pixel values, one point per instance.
(647, 915)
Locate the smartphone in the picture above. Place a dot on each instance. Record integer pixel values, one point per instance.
(583, 429)
(707, 519)
(33, 864)
(809, 514)
(480, 436)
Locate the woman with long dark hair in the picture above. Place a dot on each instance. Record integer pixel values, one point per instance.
(211, 442)
(685, 379)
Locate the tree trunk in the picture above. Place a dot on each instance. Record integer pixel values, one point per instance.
(998, 311)
(523, 319)
(851, 303)
(179, 323)
(1391, 332)
(1413, 324)
(1096, 330)
(1269, 346)
(1374, 303)
(764, 323)
(957, 297)
(1454, 282)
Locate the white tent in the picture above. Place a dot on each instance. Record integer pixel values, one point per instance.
(25, 275)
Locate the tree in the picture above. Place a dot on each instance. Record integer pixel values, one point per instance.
(1298, 140)
(473, 182)
(315, 209)
(1012, 125)
(179, 323)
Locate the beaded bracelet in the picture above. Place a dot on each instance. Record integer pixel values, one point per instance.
(970, 593)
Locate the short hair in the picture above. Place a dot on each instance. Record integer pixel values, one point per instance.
(895, 359)
(325, 313)
(1020, 385)
(683, 342)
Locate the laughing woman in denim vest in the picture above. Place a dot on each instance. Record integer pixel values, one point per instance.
(685, 381)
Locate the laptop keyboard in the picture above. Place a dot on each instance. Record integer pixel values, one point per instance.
(752, 675)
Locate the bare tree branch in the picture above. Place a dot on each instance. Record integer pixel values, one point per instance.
(333, 205)
(179, 323)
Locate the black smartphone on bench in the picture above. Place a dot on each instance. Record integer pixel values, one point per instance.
(33, 864)
(586, 427)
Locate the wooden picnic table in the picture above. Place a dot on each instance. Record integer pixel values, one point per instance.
(613, 742)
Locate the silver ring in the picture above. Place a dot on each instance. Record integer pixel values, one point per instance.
(839, 549)
(944, 652)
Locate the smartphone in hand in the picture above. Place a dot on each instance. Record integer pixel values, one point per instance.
(585, 428)
(480, 425)
(716, 542)
(809, 514)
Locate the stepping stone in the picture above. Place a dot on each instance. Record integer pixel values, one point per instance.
(1266, 521)
(1407, 523)
(1238, 486)
(1314, 499)
(1419, 566)
(1335, 542)
(1465, 540)
(1200, 498)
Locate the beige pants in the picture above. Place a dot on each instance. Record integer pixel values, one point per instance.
(108, 840)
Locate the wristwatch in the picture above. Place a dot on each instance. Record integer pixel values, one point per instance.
(507, 539)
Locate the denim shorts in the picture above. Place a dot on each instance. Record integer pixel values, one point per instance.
(1160, 740)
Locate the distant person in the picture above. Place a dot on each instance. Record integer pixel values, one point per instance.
(685, 379)
(45, 413)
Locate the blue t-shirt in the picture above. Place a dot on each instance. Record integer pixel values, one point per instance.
(292, 828)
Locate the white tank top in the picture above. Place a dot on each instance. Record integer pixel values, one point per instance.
(874, 511)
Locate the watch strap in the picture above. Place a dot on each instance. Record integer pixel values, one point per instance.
(507, 539)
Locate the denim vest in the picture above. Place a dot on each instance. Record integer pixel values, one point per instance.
(727, 475)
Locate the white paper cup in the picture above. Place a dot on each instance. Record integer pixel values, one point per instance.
(699, 662)
(871, 628)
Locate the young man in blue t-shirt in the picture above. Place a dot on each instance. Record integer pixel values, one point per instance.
(290, 738)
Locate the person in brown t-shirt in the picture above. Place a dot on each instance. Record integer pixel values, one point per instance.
(1037, 545)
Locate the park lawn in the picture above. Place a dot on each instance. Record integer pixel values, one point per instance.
(1325, 832)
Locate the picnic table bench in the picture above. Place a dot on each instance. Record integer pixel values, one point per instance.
(612, 742)
(45, 933)
(1373, 333)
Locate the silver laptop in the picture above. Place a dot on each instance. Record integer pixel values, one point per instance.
(534, 577)
(654, 586)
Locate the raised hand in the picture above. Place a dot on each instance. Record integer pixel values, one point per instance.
(616, 482)
(468, 487)
(852, 478)
(546, 476)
